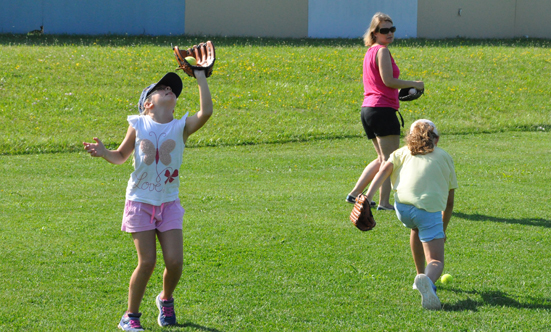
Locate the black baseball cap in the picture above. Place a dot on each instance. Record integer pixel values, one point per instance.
(172, 80)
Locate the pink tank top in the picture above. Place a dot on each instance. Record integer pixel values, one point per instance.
(376, 93)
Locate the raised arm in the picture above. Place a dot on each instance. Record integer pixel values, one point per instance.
(118, 156)
(197, 121)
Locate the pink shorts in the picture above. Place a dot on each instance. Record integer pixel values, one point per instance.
(141, 217)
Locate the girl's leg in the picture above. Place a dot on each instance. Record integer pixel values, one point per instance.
(386, 145)
(173, 252)
(145, 243)
(434, 254)
(417, 251)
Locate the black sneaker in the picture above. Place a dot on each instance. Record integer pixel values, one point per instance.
(352, 200)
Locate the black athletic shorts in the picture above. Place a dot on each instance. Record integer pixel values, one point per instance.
(380, 121)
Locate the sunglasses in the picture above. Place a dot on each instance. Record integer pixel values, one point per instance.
(385, 31)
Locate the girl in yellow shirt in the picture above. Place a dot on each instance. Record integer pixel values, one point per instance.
(423, 180)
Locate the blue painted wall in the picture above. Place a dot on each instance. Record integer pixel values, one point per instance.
(351, 18)
(326, 18)
(90, 17)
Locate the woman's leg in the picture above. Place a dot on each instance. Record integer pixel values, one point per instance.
(370, 170)
(173, 253)
(367, 176)
(434, 254)
(386, 145)
(417, 251)
(145, 243)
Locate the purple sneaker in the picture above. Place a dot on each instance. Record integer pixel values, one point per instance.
(130, 322)
(167, 316)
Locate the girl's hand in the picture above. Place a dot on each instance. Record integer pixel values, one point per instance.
(95, 149)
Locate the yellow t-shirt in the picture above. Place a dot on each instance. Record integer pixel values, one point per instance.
(423, 181)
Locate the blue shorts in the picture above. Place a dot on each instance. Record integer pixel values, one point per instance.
(429, 224)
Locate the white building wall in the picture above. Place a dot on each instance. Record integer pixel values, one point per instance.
(351, 18)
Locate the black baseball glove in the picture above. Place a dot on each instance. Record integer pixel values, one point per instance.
(405, 94)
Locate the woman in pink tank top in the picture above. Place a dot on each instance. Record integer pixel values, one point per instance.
(381, 88)
(380, 105)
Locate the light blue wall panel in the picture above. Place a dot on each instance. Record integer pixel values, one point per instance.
(351, 18)
(133, 17)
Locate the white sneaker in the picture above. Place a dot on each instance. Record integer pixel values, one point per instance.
(425, 286)
(414, 287)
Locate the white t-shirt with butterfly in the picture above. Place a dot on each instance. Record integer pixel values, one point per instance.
(158, 155)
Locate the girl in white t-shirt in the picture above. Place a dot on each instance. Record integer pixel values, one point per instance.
(152, 208)
(423, 180)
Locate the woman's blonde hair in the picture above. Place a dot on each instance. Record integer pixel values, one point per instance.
(369, 38)
(421, 137)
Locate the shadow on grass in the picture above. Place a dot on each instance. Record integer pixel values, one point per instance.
(494, 298)
(198, 327)
(525, 221)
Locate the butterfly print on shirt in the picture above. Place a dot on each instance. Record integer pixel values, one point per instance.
(153, 154)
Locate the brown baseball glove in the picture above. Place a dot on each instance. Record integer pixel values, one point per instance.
(361, 215)
(203, 55)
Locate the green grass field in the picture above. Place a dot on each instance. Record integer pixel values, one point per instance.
(268, 243)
